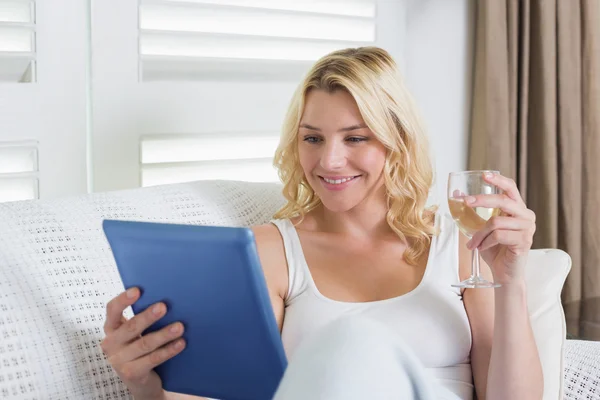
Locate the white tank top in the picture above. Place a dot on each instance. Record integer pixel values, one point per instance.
(431, 319)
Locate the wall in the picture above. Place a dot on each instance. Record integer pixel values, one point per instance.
(438, 69)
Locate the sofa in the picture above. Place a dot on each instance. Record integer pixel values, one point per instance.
(57, 274)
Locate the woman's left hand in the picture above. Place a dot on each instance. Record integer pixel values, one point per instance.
(505, 241)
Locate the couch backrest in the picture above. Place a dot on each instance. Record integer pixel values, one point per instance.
(57, 274)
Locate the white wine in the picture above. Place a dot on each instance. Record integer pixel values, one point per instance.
(470, 219)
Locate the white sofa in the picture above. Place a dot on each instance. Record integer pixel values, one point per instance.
(57, 273)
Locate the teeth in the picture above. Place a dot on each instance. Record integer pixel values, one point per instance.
(337, 181)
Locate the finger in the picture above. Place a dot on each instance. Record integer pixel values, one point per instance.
(130, 330)
(134, 327)
(514, 239)
(115, 308)
(140, 367)
(498, 223)
(509, 186)
(108, 345)
(148, 343)
(457, 194)
(501, 201)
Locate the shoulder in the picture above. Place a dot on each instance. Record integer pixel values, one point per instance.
(266, 233)
(271, 252)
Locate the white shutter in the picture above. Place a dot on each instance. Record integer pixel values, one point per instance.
(17, 41)
(197, 89)
(18, 171)
(242, 40)
(200, 38)
(42, 99)
(232, 156)
(162, 69)
(18, 159)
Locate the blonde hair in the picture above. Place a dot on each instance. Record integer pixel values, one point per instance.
(370, 75)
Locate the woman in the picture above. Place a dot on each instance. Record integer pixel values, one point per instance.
(355, 242)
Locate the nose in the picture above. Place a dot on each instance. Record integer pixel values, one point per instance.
(333, 156)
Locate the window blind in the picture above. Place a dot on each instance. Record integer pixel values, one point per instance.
(242, 40)
(17, 41)
(229, 156)
(19, 178)
(207, 39)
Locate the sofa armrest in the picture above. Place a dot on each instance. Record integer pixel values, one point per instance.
(582, 370)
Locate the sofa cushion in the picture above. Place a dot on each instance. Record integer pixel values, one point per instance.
(545, 275)
(57, 273)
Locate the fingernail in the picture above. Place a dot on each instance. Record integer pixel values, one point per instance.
(157, 309)
(131, 293)
(470, 199)
(469, 244)
(174, 328)
(489, 175)
(178, 344)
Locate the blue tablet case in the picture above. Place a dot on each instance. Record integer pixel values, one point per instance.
(211, 280)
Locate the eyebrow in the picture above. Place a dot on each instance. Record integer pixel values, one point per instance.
(346, 129)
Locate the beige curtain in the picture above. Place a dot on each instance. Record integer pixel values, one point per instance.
(536, 118)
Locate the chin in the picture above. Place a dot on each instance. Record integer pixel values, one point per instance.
(338, 206)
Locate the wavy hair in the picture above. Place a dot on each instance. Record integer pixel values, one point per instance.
(371, 76)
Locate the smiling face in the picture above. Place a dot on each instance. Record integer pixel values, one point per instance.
(341, 158)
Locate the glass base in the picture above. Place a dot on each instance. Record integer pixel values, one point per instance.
(476, 283)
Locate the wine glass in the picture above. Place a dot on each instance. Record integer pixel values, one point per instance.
(471, 219)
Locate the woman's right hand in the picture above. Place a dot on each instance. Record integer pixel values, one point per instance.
(134, 356)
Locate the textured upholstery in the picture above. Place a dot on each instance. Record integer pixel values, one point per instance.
(582, 370)
(57, 273)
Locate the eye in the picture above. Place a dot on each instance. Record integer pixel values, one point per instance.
(356, 139)
(312, 139)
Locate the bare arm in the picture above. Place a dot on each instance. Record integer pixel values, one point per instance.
(515, 367)
(504, 356)
(272, 259)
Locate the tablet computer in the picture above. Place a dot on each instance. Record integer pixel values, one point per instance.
(211, 280)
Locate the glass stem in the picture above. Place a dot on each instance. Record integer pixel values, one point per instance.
(475, 263)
